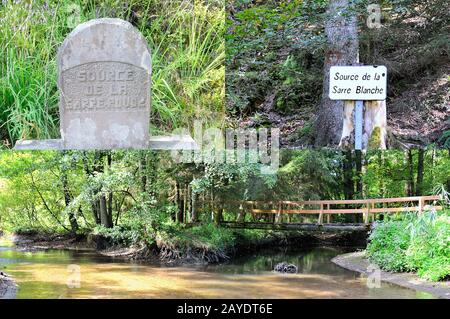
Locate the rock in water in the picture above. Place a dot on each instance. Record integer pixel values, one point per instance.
(286, 268)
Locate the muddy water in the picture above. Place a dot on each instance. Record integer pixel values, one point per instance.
(49, 275)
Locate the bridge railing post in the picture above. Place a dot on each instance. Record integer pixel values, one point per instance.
(278, 216)
(421, 204)
(367, 213)
(321, 214)
(328, 215)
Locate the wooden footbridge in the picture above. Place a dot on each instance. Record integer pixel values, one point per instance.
(326, 215)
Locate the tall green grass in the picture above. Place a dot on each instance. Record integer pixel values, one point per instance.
(185, 37)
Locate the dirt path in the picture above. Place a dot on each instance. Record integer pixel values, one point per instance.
(357, 262)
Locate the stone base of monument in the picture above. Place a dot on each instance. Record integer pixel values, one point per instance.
(174, 142)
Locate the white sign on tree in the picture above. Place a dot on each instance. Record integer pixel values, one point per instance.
(358, 83)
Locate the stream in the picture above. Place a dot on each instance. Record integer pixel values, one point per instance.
(54, 274)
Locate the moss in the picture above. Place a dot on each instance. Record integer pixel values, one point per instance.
(374, 139)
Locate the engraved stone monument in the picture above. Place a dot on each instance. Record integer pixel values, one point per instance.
(104, 68)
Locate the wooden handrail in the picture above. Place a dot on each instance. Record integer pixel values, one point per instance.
(367, 209)
(357, 201)
(342, 201)
(323, 207)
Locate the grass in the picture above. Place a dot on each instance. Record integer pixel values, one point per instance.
(186, 42)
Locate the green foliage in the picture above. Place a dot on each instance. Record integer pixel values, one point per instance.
(145, 191)
(276, 52)
(206, 236)
(445, 139)
(273, 49)
(118, 235)
(429, 250)
(311, 174)
(388, 244)
(418, 244)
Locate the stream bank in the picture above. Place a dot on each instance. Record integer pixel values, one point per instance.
(8, 287)
(169, 254)
(356, 261)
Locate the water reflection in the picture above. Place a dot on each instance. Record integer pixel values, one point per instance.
(45, 275)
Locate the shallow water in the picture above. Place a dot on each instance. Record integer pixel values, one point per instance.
(54, 274)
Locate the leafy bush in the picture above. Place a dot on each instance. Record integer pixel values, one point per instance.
(388, 244)
(118, 235)
(203, 236)
(420, 244)
(429, 249)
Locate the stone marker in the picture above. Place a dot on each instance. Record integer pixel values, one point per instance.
(104, 82)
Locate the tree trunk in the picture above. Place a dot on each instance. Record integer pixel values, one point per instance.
(143, 170)
(419, 181)
(105, 217)
(382, 189)
(194, 215)
(335, 123)
(94, 204)
(110, 196)
(410, 168)
(348, 175)
(218, 216)
(342, 36)
(67, 197)
(375, 125)
(448, 178)
(180, 205)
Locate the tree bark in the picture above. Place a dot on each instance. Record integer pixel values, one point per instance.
(180, 205)
(342, 36)
(410, 169)
(419, 181)
(143, 170)
(334, 125)
(194, 215)
(448, 179)
(218, 216)
(67, 199)
(105, 217)
(95, 208)
(375, 125)
(348, 175)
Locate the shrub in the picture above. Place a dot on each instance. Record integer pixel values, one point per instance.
(118, 235)
(203, 236)
(388, 244)
(429, 250)
(420, 244)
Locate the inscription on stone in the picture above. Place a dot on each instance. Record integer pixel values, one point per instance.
(104, 81)
(111, 86)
